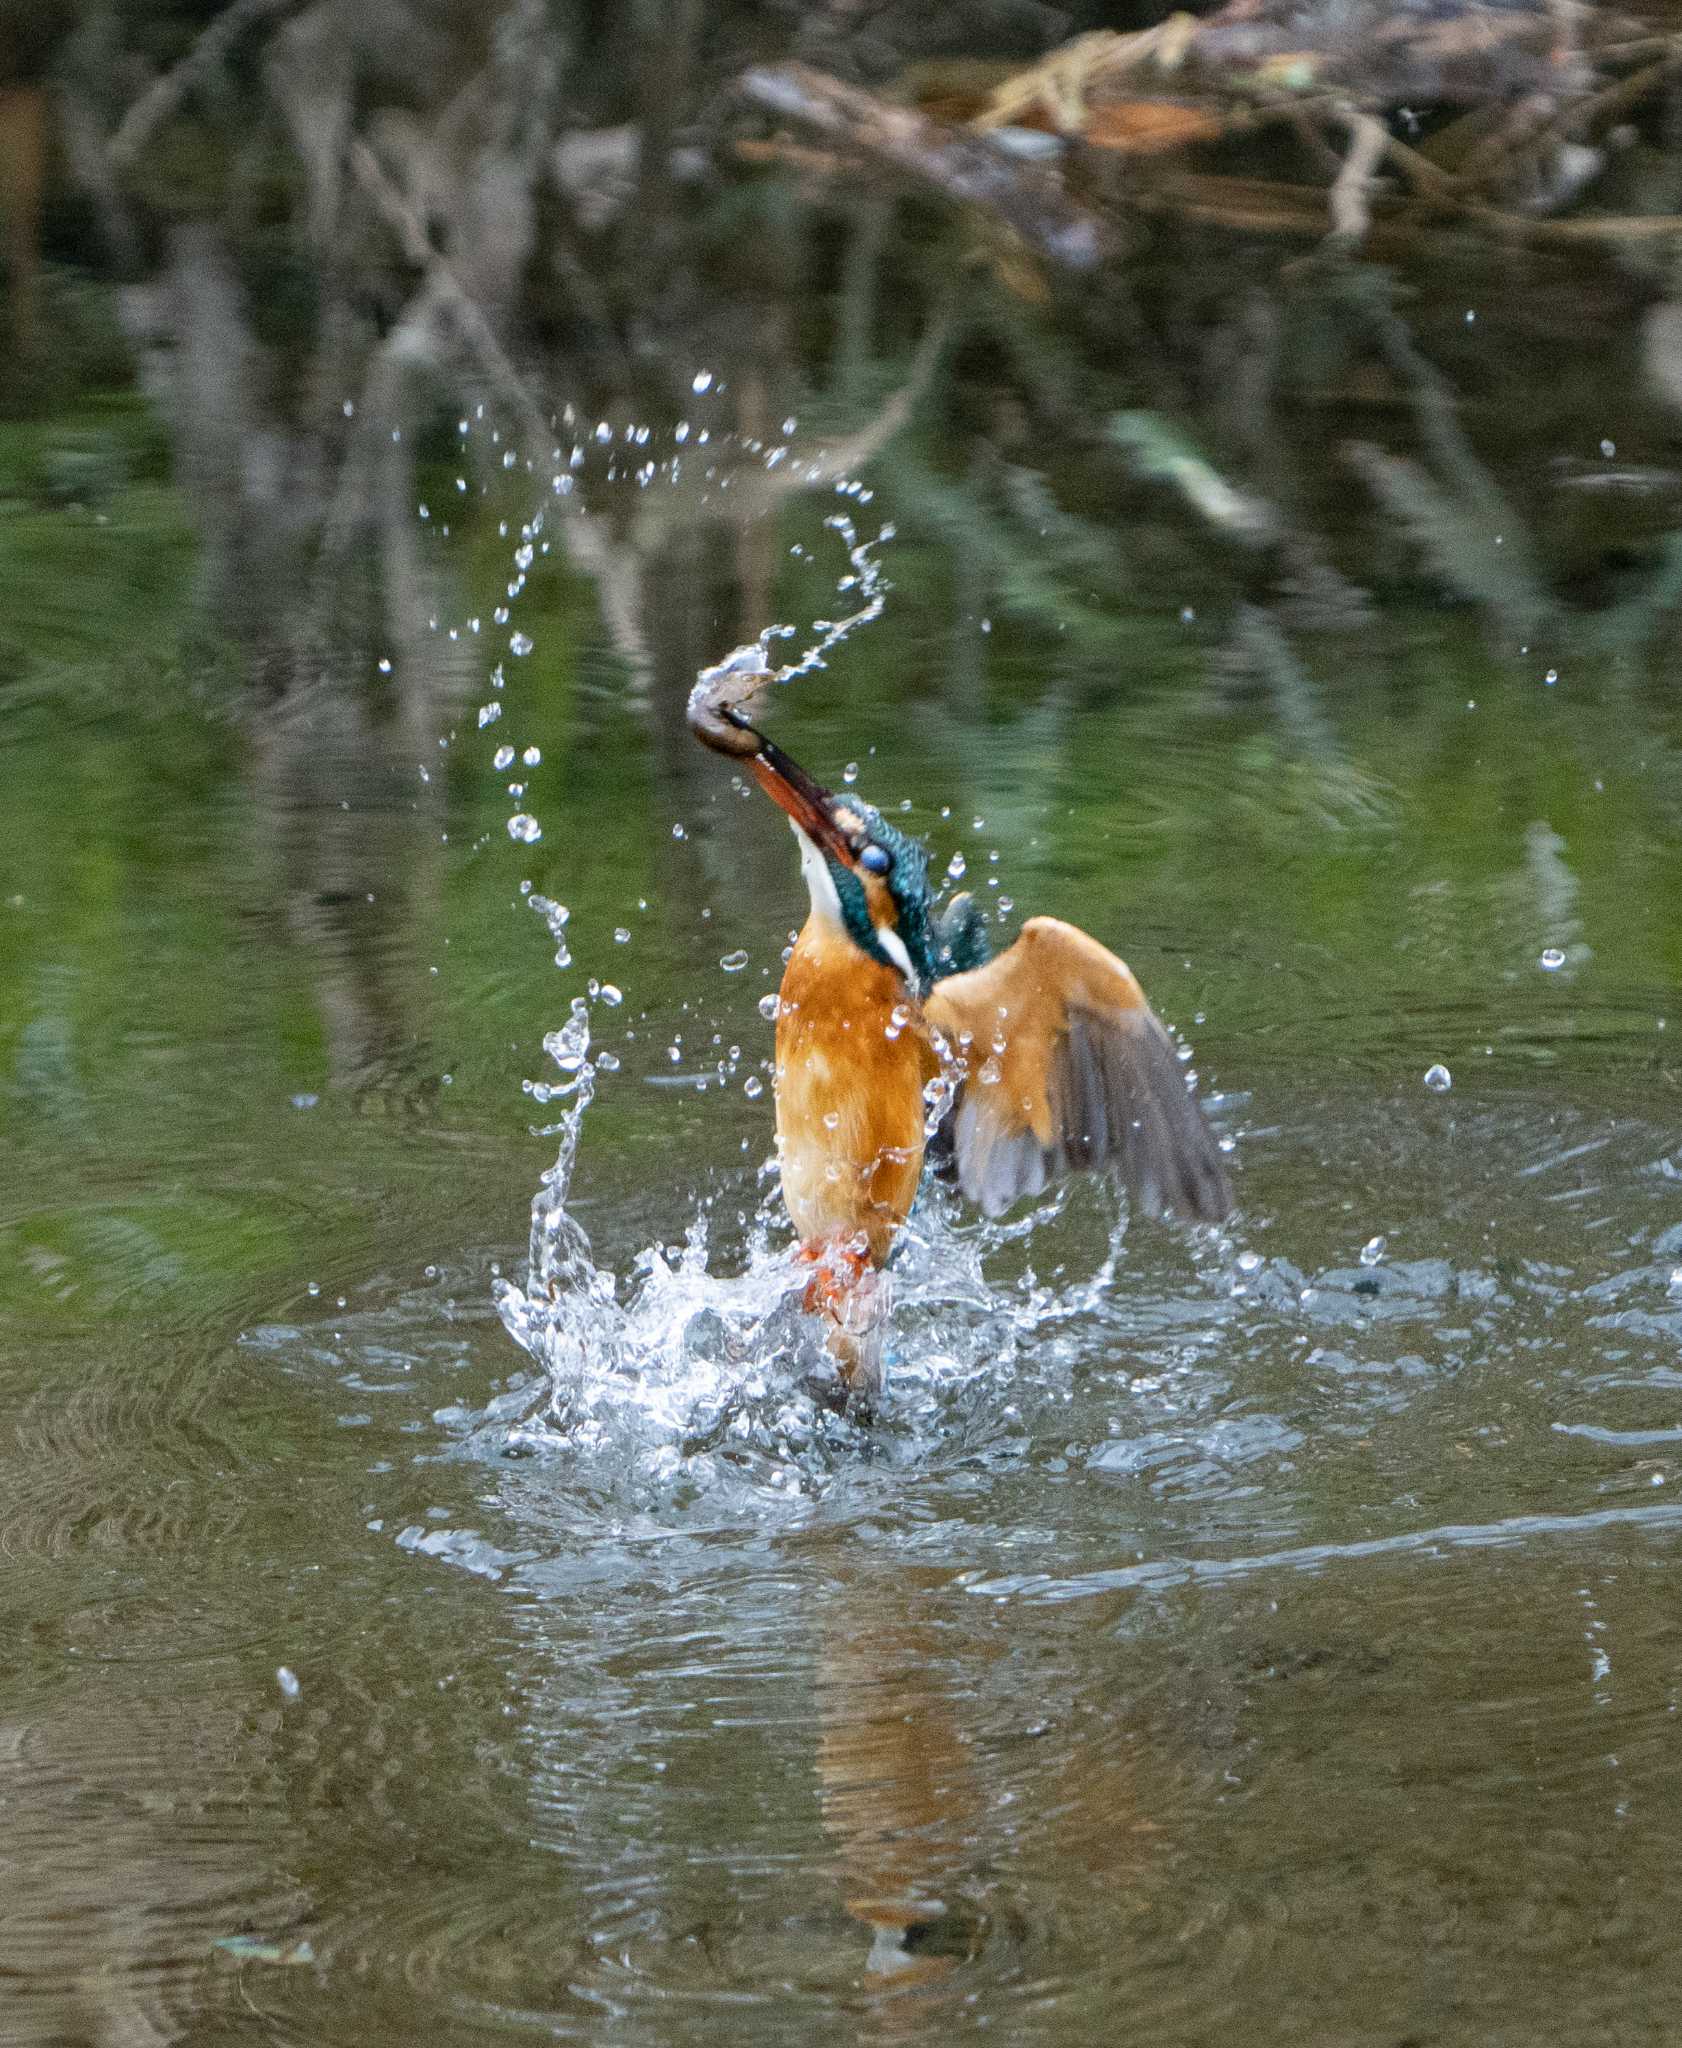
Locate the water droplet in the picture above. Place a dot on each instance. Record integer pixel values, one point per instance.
(832, 1119)
(768, 1006)
(753, 1085)
(701, 381)
(1552, 676)
(1249, 1262)
(1187, 616)
(489, 713)
(288, 1682)
(851, 772)
(991, 1073)
(1675, 1280)
(621, 937)
(523, 555)
(1552, 959)
(611, 995)
(955, 868)
(385, 664)
(519, 643)
(1608, 449)
(678, 832)
(733, 963)
(524, 827)
(503, 758)
(1438, 1079)
(532, 757)
(608, 1062)
(1373, 1250)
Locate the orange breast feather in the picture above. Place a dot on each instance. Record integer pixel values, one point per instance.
(851, 1063)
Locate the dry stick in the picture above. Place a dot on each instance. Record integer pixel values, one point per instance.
(963, 166)
(1571, 121)
(164, 95)
(1350, 207)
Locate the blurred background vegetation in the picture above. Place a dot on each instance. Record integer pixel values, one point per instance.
(260, 251)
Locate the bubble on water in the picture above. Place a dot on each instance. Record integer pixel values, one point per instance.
(733, 963)
(955, 868)
(701, 381)
(532, 757)
(489, 713)
(1552, 959)
(503, 758)
(524, 827)
(519, 643)
(1373, 1250)
(1438, 1079)
(753, 1085)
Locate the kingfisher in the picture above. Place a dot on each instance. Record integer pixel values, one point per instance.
(902, 1043)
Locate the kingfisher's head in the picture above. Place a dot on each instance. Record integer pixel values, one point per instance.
(864, 875)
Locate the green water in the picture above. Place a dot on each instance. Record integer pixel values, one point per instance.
(1254, 1640)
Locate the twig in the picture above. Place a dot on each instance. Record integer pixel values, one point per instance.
(164, 95)
(961, 166)
(1350, 209)
(1573, 120)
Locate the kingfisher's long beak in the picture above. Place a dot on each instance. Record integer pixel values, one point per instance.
(808, 803)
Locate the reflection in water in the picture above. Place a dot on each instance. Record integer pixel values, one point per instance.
(897, 1785)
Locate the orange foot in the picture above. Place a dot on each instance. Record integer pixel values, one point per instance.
(840, 1270)
(848, 1292)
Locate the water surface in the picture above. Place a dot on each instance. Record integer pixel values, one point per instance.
(1270, 1629)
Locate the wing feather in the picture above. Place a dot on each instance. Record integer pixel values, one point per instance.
(1062, 1068)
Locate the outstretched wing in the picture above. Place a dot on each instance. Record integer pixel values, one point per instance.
(1063, 1067)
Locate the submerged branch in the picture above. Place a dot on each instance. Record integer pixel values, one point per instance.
(161, 99)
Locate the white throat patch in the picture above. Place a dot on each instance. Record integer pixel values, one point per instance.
(820, 883)
(820, 886)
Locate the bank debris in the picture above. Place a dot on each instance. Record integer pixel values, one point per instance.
(1340, 120)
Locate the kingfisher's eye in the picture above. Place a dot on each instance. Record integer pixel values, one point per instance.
(876, 860)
